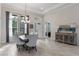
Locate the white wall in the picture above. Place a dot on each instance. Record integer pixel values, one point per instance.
(66, 16)
(17, 11)
(39, 28)
(0, 24)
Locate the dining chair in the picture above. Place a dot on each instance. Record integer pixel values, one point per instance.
(32, 42)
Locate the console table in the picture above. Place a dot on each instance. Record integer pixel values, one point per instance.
(69, 38)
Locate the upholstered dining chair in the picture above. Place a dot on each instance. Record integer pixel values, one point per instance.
(32, 42)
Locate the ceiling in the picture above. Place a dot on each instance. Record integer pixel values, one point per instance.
(37, 7)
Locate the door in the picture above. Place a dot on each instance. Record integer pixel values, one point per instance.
(13, 27)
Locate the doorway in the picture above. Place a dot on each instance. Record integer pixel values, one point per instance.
(13, 27)
(47, 29)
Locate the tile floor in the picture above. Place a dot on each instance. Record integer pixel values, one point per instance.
(45, 47)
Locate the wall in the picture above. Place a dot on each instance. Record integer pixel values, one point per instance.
(0, 24)
(16, 11)
(66, 16)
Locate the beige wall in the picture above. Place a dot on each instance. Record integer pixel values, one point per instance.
(0, 24)
(66, 15)
(19, 12)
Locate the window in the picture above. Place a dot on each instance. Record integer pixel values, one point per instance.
(14, 24)
(22, 25)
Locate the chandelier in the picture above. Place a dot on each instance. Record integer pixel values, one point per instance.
(26, 17)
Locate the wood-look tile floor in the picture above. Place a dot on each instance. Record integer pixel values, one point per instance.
(44, 48)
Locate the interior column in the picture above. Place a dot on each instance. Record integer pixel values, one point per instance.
(7, 27)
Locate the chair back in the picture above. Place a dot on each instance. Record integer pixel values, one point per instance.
(18, 41)
(32, 40)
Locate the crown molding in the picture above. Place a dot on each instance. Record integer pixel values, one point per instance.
(59, 8)
(53, 8)
(56, 8)
(29, 11)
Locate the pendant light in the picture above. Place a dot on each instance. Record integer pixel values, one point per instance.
(27, 20)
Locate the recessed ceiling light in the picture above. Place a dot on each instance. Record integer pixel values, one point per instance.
(42, 8)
